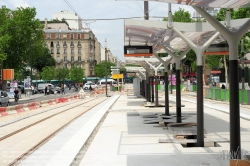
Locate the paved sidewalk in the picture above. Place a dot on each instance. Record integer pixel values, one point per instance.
(124, 140)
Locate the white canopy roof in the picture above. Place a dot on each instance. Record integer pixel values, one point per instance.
(207, 3)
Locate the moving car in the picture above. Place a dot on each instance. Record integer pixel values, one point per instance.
(4, 99)
(41, 87)
(87, 85)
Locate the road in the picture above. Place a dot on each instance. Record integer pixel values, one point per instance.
(41, 97)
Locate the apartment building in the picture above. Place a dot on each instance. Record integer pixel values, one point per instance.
(72, 47)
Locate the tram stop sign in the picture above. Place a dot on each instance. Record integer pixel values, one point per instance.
(117, 76)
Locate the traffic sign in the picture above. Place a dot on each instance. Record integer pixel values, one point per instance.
(117, 76)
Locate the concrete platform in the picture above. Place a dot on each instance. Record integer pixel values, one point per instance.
(125, 141)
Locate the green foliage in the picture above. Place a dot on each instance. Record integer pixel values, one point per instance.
(4, 37)
(61, 74)
(44, 60)
(133, 65)
(48, 73)
(23, 42)
(100, 68)
(123, 70)
(181, 16)
(162, 54)
(76, 74)
(237, 14)
(214, 61)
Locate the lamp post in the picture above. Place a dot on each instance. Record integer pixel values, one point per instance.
(106, 66)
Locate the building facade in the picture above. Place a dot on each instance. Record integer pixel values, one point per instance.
(72, 47)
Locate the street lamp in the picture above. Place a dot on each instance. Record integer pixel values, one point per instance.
(106, 66)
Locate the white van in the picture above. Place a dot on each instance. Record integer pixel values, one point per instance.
(103, 82)
(41, 87)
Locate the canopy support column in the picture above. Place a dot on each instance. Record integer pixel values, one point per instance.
(178, 80)
(165, 63)
(233, 38)
(199, 50)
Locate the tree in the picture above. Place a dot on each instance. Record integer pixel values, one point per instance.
(76, 74)
(44, 60)
(26, 42)
(181, 16)
(214, 61)
(48, 73)
(123, 70)
(4, 37)
(100, 68)
(61, 74)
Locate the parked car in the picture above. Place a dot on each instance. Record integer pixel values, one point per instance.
(11, 95)
(4, 99)
(87, 85)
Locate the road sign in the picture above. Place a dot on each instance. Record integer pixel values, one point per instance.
(117, 76)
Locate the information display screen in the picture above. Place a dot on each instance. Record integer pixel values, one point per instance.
(138, 51)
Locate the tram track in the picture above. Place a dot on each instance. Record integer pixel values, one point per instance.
(37, 122)
(50, 135)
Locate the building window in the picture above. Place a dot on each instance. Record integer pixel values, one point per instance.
(57, 36)
(52, 51)
(65, 44)
(79, 51)
(65, 66)
(79, 58)
(58, 59)
(65, 58)
(72, 58)
(71, 36)
(58, 51)
(64, 51)
(79, 36)
(51, 44)
(72, 44)
(79, 44)
(48, 36)
(72, 51)
(57, 44)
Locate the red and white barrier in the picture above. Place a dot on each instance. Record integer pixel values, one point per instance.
(4, 111)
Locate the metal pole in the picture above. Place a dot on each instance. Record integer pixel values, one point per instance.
(178, 96)
(152, 86)
(171, 72)
(166, 92)
(146, 15)
(200, 112)
(146, 86)
(156, 92)
(106, 67)
(149, 85)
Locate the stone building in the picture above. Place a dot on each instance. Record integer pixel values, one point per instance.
(72, 47)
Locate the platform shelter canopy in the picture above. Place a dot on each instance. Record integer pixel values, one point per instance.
(206, 3)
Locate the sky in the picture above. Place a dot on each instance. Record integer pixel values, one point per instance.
(112, 30)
